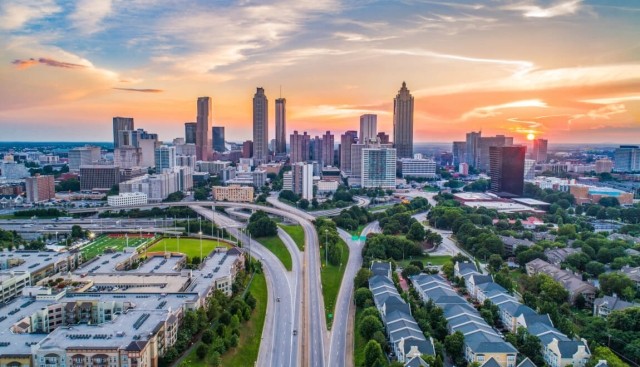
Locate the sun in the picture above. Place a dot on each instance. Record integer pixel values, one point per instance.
(530, 136)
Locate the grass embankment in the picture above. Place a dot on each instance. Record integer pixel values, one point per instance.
(188, 246)
(357, 231)
(434, 260)
(331, 279)
(246, 353)
(296, 232)
(275, 245)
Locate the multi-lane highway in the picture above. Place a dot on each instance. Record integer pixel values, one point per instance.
(314, 316)
(279, 345)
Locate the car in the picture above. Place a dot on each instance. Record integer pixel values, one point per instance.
(278, 299)
(295, 332)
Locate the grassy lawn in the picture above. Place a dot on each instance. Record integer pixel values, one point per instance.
(275, 245)
(246, 353)
(381, 207)
(297, 234)
(359, 343)
(434, 260)
(331, 279)
(97, 247)
(188, 246)
(357, 231)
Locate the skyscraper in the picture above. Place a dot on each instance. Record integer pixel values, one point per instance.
(328, 142)
(190, 129)
(383, 138)
(281, 126)
(482, 152)
(218, 139)
(260, 127)
(627, 158)
(539, 152)
(247, 149)
(459, 149)
(507, 170)
(346, 140)
(40, 188)
(299, 145)
(379, 167)
(403, 122)
(119, 124)
(302, 183)
(471, 151)
(368, 128)
(165, 157)
(316, 150)
(203, 129)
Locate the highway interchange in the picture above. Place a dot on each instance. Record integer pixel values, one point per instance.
(295, 301)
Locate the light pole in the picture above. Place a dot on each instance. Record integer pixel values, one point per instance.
(200, 233)
(326, 248)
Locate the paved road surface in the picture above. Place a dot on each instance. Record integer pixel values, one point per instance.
(279, 347)
(314, 314)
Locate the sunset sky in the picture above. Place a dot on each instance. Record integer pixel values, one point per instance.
(567, 70)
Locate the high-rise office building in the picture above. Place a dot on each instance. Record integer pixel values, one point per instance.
(281, 126)
(316, 150)
(383, 138)
(627, 158)
(83, 156)
(403, 122)
(484, 143)
(40, 188)
(127, 156)
(218, 138)
(379, 167)
(471, 149)
(247, 149)
(300, 147)
(99, 177)
(539, 152)
(507, 170)
(120, 124)
(302, 183)
(190, 132)
(260, 127)
(328, 147)
(529, 169)
(368, 128)
(165, 158)
(346, 140)
(203, 129)
(459, 149)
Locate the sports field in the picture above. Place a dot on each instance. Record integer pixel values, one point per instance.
(188, 246)
(113, 241)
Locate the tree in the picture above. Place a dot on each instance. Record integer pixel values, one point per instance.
(416, 232)
(369, 325)
(594, 268)
(207, 336)
(260, 225)
(604, 353)
(304, 204)
(202, 350)
(76, 231)
(289, 196)
(362, 278)
(609, 201)
(454, 344)
(410, 271)
(615, 283)
(373, 355)
(362, 295)
(495, 262)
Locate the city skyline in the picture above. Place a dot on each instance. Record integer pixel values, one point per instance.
(568, 69)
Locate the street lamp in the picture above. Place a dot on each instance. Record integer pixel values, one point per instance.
(200, 233)
(326, 248)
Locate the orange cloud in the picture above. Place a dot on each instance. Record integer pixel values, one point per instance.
(24, 64)
(141, 90)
